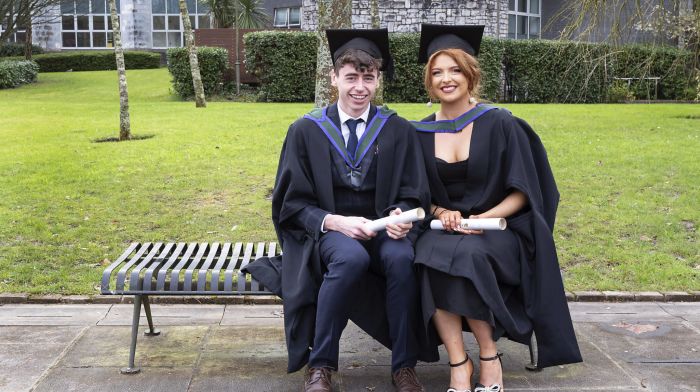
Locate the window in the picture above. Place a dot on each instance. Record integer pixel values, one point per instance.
(287, 17)
(167, 27)
(524, 19)
(86, 24)
(20, 33)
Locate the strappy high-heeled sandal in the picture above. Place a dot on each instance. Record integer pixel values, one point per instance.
(493, 387)
(467, 359)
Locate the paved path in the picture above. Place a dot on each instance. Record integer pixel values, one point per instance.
(626, 347)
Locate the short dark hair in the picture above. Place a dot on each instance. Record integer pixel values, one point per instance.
(361, 60)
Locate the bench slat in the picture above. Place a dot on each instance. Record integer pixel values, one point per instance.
(107, 274)
(202, 273)
(175, 273)
(246, 259)
(157, 263)
(260, 252)
(228, 278)
(134, 281)
(160, 285)
(204, 248)
(216, 271)
(121, 275)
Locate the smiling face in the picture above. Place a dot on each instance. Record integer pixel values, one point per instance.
(356, 88)
(452, 76)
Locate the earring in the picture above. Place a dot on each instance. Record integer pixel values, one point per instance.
(472, 100)
(429, 103)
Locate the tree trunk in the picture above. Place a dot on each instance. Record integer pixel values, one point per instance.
(28, 36)
(124, 122)
(199, 98)
(374, 14)
(332, 14)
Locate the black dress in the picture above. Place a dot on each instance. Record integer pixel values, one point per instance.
(443, 282)
(508, 278)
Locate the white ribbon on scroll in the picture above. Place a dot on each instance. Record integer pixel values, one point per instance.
(475, 224)
(404, 217)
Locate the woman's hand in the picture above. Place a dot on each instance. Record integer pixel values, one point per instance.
(451, 220)
(470, 231)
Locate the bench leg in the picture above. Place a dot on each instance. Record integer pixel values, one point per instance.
(131, 369)
(532, 366)
(147, 307)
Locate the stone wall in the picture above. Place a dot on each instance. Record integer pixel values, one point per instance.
(407, 15)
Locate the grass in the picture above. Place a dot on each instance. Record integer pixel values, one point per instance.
(628, 174)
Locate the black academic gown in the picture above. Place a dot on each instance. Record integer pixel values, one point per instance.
(304, 179)
(506, 155)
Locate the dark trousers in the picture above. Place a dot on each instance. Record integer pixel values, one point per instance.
(348, 261)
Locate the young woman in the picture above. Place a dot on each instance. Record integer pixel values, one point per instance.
(484, 163)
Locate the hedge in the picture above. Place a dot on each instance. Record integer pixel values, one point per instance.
(212, 66)
(99, 60)
(10, 49)
(15, 73)
(285, 64)
(512, 70)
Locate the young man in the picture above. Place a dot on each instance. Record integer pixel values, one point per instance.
(340, 167)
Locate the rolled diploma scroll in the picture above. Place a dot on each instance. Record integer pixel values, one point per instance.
(404, 217)
(475, 224)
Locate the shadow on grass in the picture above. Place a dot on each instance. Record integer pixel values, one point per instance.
(116, 139)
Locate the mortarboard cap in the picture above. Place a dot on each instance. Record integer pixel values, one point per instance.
(437, 37)
(373, 41)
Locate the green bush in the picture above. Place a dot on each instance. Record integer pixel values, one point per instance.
(212, 65)
(285, 64)
(554, 71)
(671, 65)
(538, 71)
(10, 49)
(407, 85)
(619, 91)
(99, 60)
(15, 73)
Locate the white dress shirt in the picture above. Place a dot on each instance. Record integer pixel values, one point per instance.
(360, 126)
(360, 130)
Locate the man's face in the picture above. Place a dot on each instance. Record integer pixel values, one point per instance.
(355, 88)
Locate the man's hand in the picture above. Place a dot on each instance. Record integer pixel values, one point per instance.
(398, 230)
(351, 226)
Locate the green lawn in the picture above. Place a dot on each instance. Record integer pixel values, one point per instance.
(628, 174)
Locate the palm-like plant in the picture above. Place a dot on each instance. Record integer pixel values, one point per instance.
(244, 14)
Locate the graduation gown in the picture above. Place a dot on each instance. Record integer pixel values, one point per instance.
(304, 178)
(515, 272)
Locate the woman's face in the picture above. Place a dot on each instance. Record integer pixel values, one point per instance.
(448, 82)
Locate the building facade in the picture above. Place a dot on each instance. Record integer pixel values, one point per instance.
(156, 24)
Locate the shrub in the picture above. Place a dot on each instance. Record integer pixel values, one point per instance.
(15, 73)
(212, 65)
(619, 91)
(10, 49)
(285, 64)
(539, 71)
(94, 61)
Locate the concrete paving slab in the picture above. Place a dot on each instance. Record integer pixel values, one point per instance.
(167, 315)
(253, 315)
(611, 312)
(689, 311)
(26, 352)
(243, 342)
(224, 371)
(666, 360)
(108, 379)
(35, 314)
(108, 346)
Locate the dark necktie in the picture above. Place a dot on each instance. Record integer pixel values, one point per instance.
(352, 140)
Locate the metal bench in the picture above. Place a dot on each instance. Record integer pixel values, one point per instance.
(159, 268)
(163, 269)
